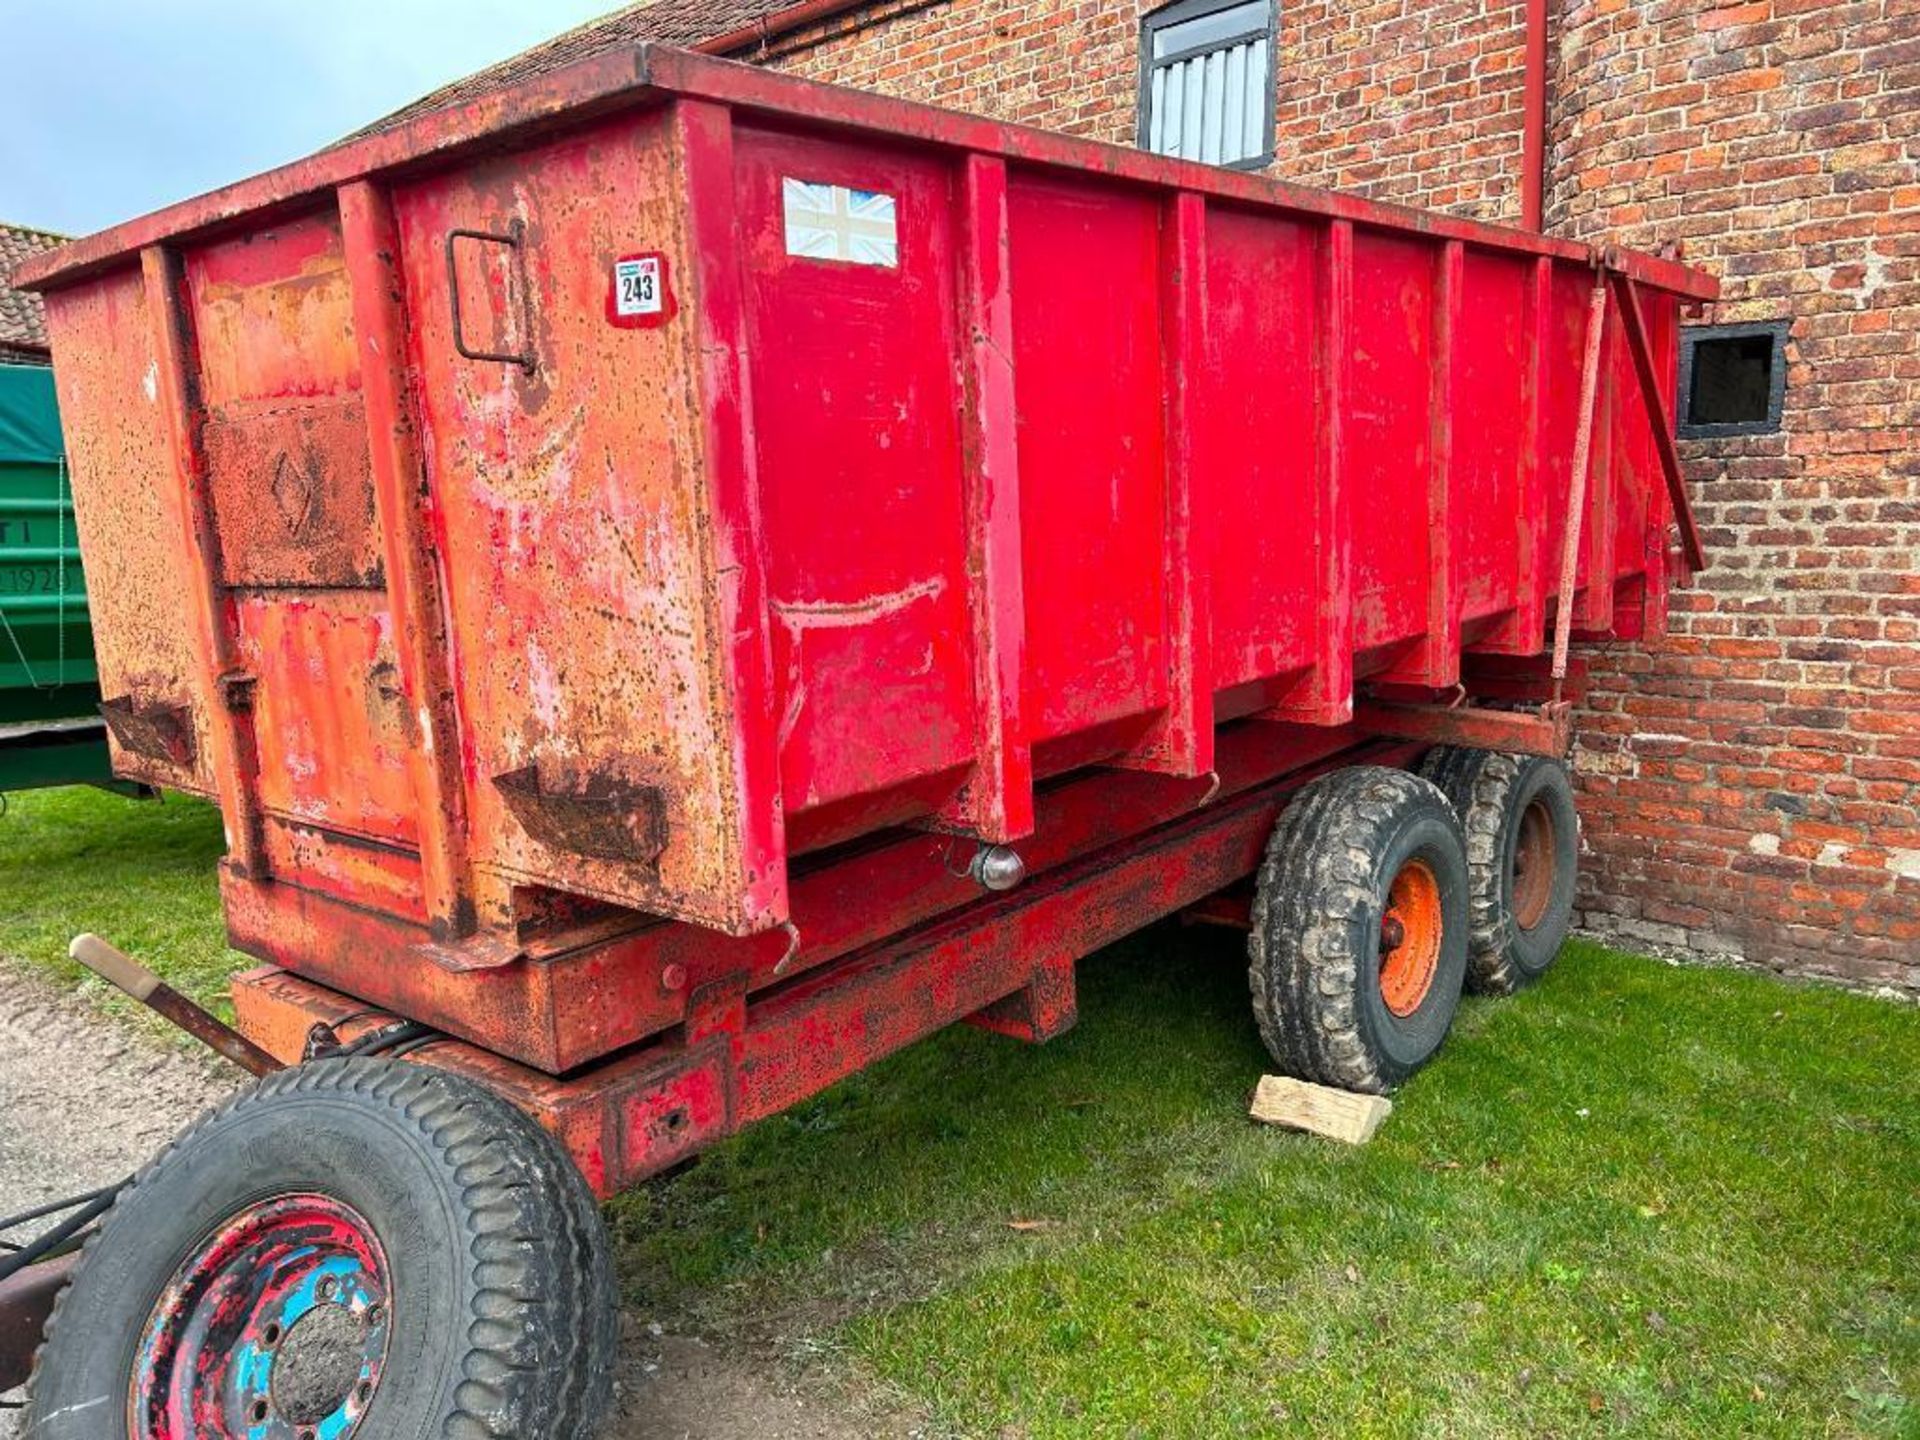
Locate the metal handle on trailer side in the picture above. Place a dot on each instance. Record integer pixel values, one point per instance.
(512, 238)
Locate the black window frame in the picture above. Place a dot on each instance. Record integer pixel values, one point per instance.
(1691, 336)
(1178, 13)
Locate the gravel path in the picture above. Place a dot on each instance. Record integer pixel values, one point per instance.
(83, 1101)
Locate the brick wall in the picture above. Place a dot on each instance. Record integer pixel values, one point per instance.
(1416, 101)
(1063, 64)
(1752, 785)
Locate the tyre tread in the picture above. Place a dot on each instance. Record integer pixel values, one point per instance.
(1481, 785)
(533, 1231)
(1315, 876)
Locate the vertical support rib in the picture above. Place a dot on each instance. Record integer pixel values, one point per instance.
(372, 247)
(1325, 695)
(1440, 661)
(1182, 743)
(722, 406)
(1577, 480)
(997, 803)
(223, 688)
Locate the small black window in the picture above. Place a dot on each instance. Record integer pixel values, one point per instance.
(1733, 379)
(1206, 81)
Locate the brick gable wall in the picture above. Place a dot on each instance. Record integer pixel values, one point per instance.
(1755, 784)
(1752, 785)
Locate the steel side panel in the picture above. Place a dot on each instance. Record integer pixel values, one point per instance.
(1086, 287)
(1489, 431)
(1567, 340)
(125, 507)
(1641, 507)
(273, 313)
(332, 727)
(855, 410)
(1264, 277)
(751, 572)
(1389, 435)
(573, 521)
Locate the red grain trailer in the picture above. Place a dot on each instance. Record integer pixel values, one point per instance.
(683, 581)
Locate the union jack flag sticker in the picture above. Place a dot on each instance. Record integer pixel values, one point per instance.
(834, 222)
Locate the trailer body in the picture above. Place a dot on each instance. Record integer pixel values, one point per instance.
(619, 549)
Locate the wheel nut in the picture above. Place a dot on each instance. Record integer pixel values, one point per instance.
(1393, 934)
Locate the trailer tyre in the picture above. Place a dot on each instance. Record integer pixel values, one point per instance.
(1523, 859)
(355, 1247)
(1359, 938)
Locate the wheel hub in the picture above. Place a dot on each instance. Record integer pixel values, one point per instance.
(274, 1329)
(1533, 866)
(1410, 931)
(318, 1365)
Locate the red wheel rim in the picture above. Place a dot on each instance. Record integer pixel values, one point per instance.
(274, 1329)
(1533, 865)
(1410, 931)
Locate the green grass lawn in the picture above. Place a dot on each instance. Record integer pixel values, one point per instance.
(138, 872)
(1635, 1200)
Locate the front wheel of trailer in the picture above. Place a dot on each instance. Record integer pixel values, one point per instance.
(357, 1247)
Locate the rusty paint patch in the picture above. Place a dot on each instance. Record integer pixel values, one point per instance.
(293, 494)
(604, 816)
(154, 731)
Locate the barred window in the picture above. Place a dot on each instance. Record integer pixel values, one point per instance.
(1206, 81)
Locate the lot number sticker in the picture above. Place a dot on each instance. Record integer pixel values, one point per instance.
(639, 295)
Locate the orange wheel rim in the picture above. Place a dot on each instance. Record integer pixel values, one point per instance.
(1533, 866)
(1410, 931)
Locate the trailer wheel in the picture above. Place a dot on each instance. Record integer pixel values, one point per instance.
(1359, 939)
(1523, 859)
(355, 1247)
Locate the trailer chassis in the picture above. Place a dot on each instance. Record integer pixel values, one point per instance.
(906, 944)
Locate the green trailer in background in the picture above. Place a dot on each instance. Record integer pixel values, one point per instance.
(50, 727)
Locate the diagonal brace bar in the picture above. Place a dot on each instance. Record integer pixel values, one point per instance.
(1628, 296)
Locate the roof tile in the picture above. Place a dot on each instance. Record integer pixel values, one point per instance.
(23, 320)
(673, 22)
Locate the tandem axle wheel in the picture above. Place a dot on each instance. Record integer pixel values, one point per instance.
(1359, 936)
(1523, 856)
(1384, 893)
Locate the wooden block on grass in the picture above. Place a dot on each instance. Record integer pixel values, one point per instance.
(1336, 1114)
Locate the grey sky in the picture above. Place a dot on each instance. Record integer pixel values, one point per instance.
(116, 107)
